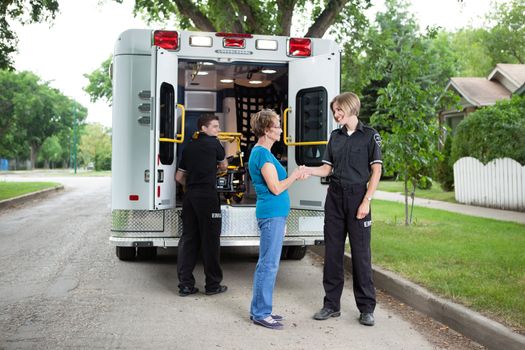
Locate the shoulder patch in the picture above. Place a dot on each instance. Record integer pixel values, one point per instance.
(377, 139)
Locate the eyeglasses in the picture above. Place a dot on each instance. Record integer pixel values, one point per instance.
(275, 127)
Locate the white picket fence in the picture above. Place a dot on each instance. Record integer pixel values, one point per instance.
(498, 184)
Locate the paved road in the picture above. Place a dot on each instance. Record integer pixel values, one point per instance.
(62, 287)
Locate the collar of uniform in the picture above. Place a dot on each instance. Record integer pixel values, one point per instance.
(204, 135)
(359, 127)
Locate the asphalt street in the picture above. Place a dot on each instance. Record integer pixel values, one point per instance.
(61, 286)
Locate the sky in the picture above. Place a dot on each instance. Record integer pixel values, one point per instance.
(84, 33)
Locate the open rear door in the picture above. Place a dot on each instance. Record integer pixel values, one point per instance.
(164, 137)
(313, 83)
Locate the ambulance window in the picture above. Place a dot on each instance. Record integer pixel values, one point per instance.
(312, 109)
(167, 123)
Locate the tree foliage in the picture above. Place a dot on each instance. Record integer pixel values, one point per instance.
(506, 38)
(492, 132)
(30, 112)
(99, 87)
(415, 70)
(22, 11)
(95, 146)
(51, 151)
(251, 16)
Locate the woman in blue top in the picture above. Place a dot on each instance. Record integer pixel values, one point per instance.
(272, 208)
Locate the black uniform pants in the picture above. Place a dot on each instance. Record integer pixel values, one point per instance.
(201, 230)
(341, 207)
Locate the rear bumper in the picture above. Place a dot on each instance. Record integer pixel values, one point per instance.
(165, 242)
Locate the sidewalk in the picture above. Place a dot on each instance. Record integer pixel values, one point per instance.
(498, 214)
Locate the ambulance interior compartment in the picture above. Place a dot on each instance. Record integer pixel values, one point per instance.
(234, 91)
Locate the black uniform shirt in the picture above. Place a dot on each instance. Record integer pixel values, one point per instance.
(199, 161)
(351, 156)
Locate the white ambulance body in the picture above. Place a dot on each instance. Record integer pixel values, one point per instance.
(163, 81)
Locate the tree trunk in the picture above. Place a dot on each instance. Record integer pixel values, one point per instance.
(35, 148)
(412, 195)
(247, 11)
(286, 8)
(188, 9)
(326, 18)
(406, 201)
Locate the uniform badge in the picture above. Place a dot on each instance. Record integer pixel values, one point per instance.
(377, 139)
(216, 215)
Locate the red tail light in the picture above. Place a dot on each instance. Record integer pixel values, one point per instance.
(168, 40)
(300, 47)
(234, 42)
(158, 191)
(133, 197)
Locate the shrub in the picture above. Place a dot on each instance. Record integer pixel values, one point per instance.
(103, 161)
(492, 132)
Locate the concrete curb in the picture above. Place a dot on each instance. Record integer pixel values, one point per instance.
(6, 203)
(481, 329)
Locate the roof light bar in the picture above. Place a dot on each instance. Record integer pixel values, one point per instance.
(202, 41)
(166, 39)
(234, 35)
(265, 44)
(300, 47)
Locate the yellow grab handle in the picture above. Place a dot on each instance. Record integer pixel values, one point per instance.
(288, 139)
(180, 137)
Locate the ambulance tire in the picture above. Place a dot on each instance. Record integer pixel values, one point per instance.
(296, 252)
(146, 253)
(126, 253)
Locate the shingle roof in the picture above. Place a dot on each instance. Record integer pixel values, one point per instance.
(514, 72)
(479, 91)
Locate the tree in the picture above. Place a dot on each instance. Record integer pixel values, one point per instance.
(345, 19)
(95, 146)
(24, 12)
(506, 38)
(99, 87)
(469, 48)
(250, 16)
(416, 70)
(51, 151)
(32, 111)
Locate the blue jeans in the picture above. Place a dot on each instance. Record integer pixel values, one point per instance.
(271, 244)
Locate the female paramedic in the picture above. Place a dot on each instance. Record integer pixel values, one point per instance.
(272, 208)
(353, 159)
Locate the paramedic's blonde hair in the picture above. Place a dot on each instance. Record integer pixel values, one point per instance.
(348, 101)
(262, 121)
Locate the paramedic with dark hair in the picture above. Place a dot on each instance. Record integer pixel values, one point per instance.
(353, 159)
(201, 210)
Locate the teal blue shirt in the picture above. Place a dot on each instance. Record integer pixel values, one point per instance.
(268, 204)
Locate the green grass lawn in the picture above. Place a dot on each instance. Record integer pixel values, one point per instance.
(62, 172)
(435, 192)
(474, 261)
(15, 189)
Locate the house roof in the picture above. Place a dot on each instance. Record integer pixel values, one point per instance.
(479, 91)
(513, 72)
(520, 91)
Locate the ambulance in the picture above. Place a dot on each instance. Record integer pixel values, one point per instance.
(164, 80)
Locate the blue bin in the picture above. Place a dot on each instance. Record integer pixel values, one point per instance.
(4, 165)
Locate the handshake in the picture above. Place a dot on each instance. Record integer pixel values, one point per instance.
(301, 173)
